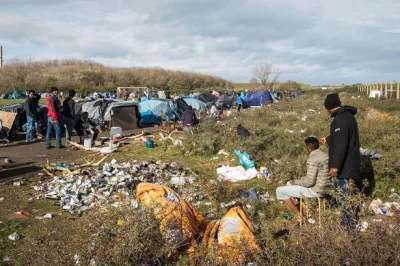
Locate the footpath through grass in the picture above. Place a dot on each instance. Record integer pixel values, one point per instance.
(276, 142)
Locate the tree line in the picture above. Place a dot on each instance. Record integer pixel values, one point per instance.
(90, 76)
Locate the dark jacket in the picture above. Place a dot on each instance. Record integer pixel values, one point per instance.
(189, 117)
(80, 125)
(31, 105)
(344, 143)
(69, 107)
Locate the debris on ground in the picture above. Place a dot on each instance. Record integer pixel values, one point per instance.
(371, 154)
(77, 191)
(378, 207)
(14, 236)
(18, 183)
(245, 159)
(20, 215)
(229, 204)
(2, 198)
(235, 174)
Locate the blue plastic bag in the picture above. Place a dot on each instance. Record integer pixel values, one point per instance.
(245, 159)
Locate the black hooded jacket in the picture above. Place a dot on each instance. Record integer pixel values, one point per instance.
(344, 143)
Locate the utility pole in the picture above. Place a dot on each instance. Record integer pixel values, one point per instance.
(1, 56)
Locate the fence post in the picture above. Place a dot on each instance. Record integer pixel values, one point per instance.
(398, 92)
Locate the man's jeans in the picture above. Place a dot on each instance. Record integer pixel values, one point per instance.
(349, 211)
(57, 128)
(69, 126)
(30, 126)
(86, 134)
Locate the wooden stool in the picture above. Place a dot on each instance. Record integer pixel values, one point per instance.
(321, 205)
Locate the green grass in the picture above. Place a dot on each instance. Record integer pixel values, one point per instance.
(12, 101)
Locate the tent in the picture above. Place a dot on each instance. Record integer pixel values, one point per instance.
(96, 109)
(196, 104)
(206, 97)
(258, 98)
(4, 96)
(123, 114)
(150, 111)
(181, 105)
(18, 95)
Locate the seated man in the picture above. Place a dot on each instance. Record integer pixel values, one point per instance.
(313, 184)
(189, 118)
(84, 127)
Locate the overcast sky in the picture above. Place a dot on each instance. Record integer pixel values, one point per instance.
(312, 41)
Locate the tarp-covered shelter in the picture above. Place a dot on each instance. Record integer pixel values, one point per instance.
(18, 95)
(258, 98)
(123, 114)
(206, 97)
(96, 109)
(181, 105)
(150, 111)
(226, 101)
(196, 104)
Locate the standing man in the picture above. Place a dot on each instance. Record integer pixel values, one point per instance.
(31, 104)
(53, 117)
(69, 115)
(344, 154)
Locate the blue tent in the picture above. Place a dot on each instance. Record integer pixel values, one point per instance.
(18, 95)
(150, 111)
(196, 104)
(258, 98)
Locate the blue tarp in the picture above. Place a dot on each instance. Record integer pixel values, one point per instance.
(150, 111)
(196, 104)
(18, 95)
(258, 98)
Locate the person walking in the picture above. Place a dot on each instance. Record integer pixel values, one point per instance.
(69, 115)
(239, 102)
(344, 155)
(31, 105)
(53, 118)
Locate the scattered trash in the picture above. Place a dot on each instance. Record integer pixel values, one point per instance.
(48, 216)
(37, 188)
(362, 227)
(245, 160)
(227, 205)
(110, 184)
(394, 196)
(250, 195)
(20, 215)
(2, 198)
(311, 220)
(40, 174)
(18, 183)
(6, 258)
(378, 207)
(6, 160)
(371, 154)
(223, 152)
(14, 236)
(287, 216)
(235, 174)
(242, 131)
(178, 181)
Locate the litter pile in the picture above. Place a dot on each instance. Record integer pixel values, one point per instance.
(111, 184)
(387, 208)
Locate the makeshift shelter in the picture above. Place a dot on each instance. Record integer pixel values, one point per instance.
(196, 104)
(16, 122)
(258, 98)
(150, 111)
(96, 109)
(206, 97)
(123, 114)
(4, 96)
(226, 101)
(18, 95)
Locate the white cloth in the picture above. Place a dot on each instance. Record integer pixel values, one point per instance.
(235, 174)
(294, 191)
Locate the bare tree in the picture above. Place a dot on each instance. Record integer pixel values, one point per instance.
(262, 73)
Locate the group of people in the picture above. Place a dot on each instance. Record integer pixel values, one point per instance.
(341, 166)
(58, 115)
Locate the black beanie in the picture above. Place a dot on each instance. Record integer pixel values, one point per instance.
(332, 101)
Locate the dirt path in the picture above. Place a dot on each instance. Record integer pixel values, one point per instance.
(27, 158)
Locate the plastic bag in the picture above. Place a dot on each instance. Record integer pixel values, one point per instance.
(245, 159)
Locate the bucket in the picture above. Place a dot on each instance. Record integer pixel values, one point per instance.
(87, 143)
